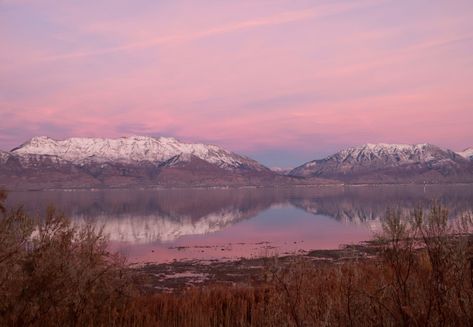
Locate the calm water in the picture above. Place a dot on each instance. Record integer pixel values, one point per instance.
(162, 225)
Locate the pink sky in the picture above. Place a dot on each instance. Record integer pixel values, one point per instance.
(282, 81)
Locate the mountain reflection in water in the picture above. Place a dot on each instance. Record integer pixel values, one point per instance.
(161, 225)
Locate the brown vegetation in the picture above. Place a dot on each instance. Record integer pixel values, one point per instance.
(53, 274)
(59, 275)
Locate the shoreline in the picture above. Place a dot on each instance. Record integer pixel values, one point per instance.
(181, 274)
(228, 187)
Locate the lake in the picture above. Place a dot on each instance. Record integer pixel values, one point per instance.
(217, 224)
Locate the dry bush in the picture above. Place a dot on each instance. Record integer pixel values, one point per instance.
(422, 277)
(52, 273)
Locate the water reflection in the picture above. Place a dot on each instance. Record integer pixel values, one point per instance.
(168, 224)
(360, 204)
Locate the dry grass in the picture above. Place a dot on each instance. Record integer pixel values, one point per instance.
(59, 275)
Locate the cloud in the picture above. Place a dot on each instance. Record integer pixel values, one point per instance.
(277, 19)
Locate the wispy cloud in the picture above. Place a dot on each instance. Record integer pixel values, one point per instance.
(278, 19)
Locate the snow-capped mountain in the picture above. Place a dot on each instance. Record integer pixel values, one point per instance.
(132, 150)
(389, 162)
(136, 161)
(467, 154)
(139, 161)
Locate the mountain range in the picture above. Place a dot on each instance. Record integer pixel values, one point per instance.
(392, 163)
(139, 161)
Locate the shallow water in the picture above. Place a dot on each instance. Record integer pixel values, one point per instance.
(163, 225)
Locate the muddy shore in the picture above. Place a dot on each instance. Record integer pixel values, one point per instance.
(178, 275)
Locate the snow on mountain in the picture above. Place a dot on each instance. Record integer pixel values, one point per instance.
(39, 160)
(394, 154)
(131, 150)
(371, 157)
(279, 170)
(467, 153)
(4, 156)
(181, 158)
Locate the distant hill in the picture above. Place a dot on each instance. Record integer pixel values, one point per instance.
(391, 163)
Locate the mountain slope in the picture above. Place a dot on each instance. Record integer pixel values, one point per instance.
(134, 161)
(467, 154)
(390, 163)
(132, 150)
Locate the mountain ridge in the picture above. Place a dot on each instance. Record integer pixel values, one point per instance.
(134, 161)
(390, 163)
(467, 153)
(133, 149)
(141, 161)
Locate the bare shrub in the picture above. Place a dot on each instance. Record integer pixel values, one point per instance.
(52, 273)
(421, 277)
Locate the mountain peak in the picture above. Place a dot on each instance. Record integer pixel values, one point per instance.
(467, 153)
(391, 146)
(132, 149)
(381, 158)
(386, 152)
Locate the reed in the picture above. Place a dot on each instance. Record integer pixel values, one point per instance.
(52, 273)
